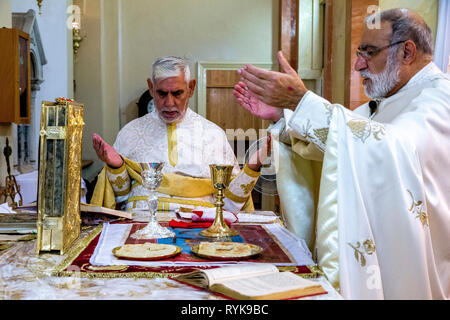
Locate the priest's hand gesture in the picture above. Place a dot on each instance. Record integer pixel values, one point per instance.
(254, 105)
(105, 152)
(282, 89)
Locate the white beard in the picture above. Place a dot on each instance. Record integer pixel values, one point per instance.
(177, 119)
(383, 82)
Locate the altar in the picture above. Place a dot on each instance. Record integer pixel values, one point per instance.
(89, 272)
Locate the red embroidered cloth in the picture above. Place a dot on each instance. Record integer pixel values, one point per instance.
(255, 234)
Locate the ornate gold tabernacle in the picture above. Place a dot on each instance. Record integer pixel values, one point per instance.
(59, 179)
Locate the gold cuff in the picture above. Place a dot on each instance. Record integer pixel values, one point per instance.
(250, 172)
(116, 170)
(234, 197)
(121, 193)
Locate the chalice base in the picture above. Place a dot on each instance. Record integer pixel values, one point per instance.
(218, 231)
(153, 231)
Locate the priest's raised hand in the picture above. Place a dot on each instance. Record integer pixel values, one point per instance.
(106, 153)
(282, 89)
(254, 105)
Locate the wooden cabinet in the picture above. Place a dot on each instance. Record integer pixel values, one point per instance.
(15, 91)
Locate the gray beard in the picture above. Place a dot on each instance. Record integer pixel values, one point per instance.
(383, 82)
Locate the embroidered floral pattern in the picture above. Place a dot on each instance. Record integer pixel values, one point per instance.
(306, 130)
(321, 134)
(317, 136)
(416, 208)
(363, 129)
(247, 188)
(119, 182)
(367, 247)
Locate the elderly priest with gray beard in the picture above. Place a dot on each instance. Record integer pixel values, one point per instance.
(185, 141)
(369, 188)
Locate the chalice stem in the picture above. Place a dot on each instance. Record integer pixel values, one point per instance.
(219, 205)
(153, 206)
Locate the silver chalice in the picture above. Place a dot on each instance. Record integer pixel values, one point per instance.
(151, 173)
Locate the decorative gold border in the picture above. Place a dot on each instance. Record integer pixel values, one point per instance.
(116, 170)
(121, 193)
(75, 252)
(172, 144)
(285, 250)
(79, 247)
(250, 172)
(234, 197)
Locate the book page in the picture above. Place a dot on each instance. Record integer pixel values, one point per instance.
(270, 284)
(96, 209)
(238, 272)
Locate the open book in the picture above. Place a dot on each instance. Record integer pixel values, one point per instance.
(252, 282)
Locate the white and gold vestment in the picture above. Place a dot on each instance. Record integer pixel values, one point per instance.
(380, 222)
(187, 149)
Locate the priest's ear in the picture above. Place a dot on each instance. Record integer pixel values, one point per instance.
(409, 52)
(150, 86)
(191, 85)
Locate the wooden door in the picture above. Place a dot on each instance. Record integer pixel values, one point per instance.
(241, 126)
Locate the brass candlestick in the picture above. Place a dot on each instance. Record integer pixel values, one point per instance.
(220, 177)
(11, 188)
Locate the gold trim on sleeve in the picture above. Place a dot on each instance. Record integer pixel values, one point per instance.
(321, 134)
(234, 197)
(250, 172)
(121, 193)
(116, 170)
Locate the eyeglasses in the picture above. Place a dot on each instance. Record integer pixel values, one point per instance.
(368, 54)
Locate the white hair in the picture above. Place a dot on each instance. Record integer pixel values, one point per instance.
(407, 25)
(169, 66)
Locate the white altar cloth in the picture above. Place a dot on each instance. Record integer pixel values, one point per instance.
(25, 276)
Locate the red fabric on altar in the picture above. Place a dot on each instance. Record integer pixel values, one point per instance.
(254, 234)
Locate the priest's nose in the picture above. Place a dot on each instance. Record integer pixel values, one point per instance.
(360, 63)
(170, 100)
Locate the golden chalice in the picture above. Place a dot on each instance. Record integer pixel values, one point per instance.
(220, 177)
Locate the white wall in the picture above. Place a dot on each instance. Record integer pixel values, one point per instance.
(200, 30)
(57, 73)
(124, 37)
(5, 13)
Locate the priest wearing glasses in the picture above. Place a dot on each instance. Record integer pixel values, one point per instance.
(369, 189)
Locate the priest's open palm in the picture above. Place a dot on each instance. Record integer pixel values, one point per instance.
(105, 152)
(254, 105)
(282, 89)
